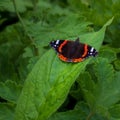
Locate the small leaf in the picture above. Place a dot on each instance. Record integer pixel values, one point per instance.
(10, 91)
(49, 82)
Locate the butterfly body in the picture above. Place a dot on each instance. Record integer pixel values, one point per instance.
(73, 51)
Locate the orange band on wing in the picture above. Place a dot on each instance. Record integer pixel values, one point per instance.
(85, 50)
(61, 46)
(84, 54)
(62, 57)
(69, 60)
(78, 60)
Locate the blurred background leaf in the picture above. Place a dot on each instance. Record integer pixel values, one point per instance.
(25, 33)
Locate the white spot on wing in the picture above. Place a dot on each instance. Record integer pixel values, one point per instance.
(92, 49)
(57, 42)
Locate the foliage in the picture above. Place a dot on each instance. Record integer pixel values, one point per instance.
(35, 84)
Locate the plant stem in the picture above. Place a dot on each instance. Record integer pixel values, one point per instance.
(90, 115)
(24, 27)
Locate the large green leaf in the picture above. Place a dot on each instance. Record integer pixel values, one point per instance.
(48, 84)
(103, 91)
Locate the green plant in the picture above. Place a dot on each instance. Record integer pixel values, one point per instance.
(35, 84)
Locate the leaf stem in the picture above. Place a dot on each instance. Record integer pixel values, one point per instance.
(24, 28)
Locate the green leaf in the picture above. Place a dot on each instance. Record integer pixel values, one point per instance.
(10, 91)
(80, 112)
(117, 64)
(6, 111)
(69, 27)
(105, 89)
(20, 4)
(69, 115)
(107, 52)
(108, 83)
(87, 85)
(96, 12)
(115, 111)
(49, 82)
(89, 38)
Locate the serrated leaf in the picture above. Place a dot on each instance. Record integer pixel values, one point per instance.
(69, 27)
(106, 85)
(10, 91)
(48, 84)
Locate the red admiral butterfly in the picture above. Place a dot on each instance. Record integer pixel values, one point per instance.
(73, 51)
